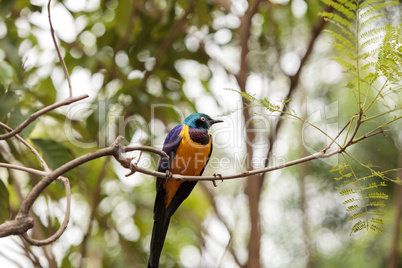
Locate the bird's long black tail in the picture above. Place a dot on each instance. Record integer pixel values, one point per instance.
(162, 218)
(159, 231)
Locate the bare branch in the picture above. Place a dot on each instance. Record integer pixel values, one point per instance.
(62, 227)
(116, 150)
(21, 168)
(33, 150)
(336, 137)
(58, 52)
(35, 115)
(16, 227)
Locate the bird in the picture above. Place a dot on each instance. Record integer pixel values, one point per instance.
(189, 147)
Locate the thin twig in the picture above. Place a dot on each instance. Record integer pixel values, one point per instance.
(382, 131)
(336, 137)
(33, 150)
(35, 115)
(58, 52)
(25, 169)
(116, 150)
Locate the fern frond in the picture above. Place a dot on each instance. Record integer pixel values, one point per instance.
(378, 195)
(370, 20)
(346, 26)
(336, 19)
(347, 192)
(389, 62)
(377, 7)
(344, 63)
(376, 228)
(352, 84)
(351, 200)
(342, 40)
(360, 225)
(372, 32)
(356, 216)
(340, 8)
(366, 4)
(374, 185)
(372, 41)
(340, 168)
(348, 4)
(344, 45)
(377, 212)
(370, 64)
(269, 105)
(367, 52)
(378, 221)
(352, 208)
(377, 204)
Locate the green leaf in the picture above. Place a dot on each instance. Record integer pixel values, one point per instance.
(6, 74)
(8, 101)
(47, 92)
(5, 6)
(54, 153)
(16, 118)
(4, 203)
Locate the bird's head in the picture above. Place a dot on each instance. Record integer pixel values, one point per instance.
(200, 121)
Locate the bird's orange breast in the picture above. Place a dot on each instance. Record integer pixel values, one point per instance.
(190, 158)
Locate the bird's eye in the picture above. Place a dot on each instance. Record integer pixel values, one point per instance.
(203, 118)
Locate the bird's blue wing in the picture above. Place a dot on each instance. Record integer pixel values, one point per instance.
(170, 146)
(161, 216)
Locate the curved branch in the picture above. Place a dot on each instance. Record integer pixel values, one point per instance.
(35, 115)
(115, 150)
(62, 227)
(33, 150)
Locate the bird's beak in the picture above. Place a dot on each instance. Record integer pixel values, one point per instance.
(213, 121)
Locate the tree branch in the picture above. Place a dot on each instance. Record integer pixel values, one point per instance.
(35, 115)
(20, 225)
(58, 52)
(16, 227)
(33, 150)
(62, 227)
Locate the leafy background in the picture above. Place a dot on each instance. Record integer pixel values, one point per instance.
(139, 59)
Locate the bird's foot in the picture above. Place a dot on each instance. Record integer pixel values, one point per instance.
(217, 175)
(169, 175)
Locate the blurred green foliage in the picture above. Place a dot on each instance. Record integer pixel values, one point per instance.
(129, 54)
